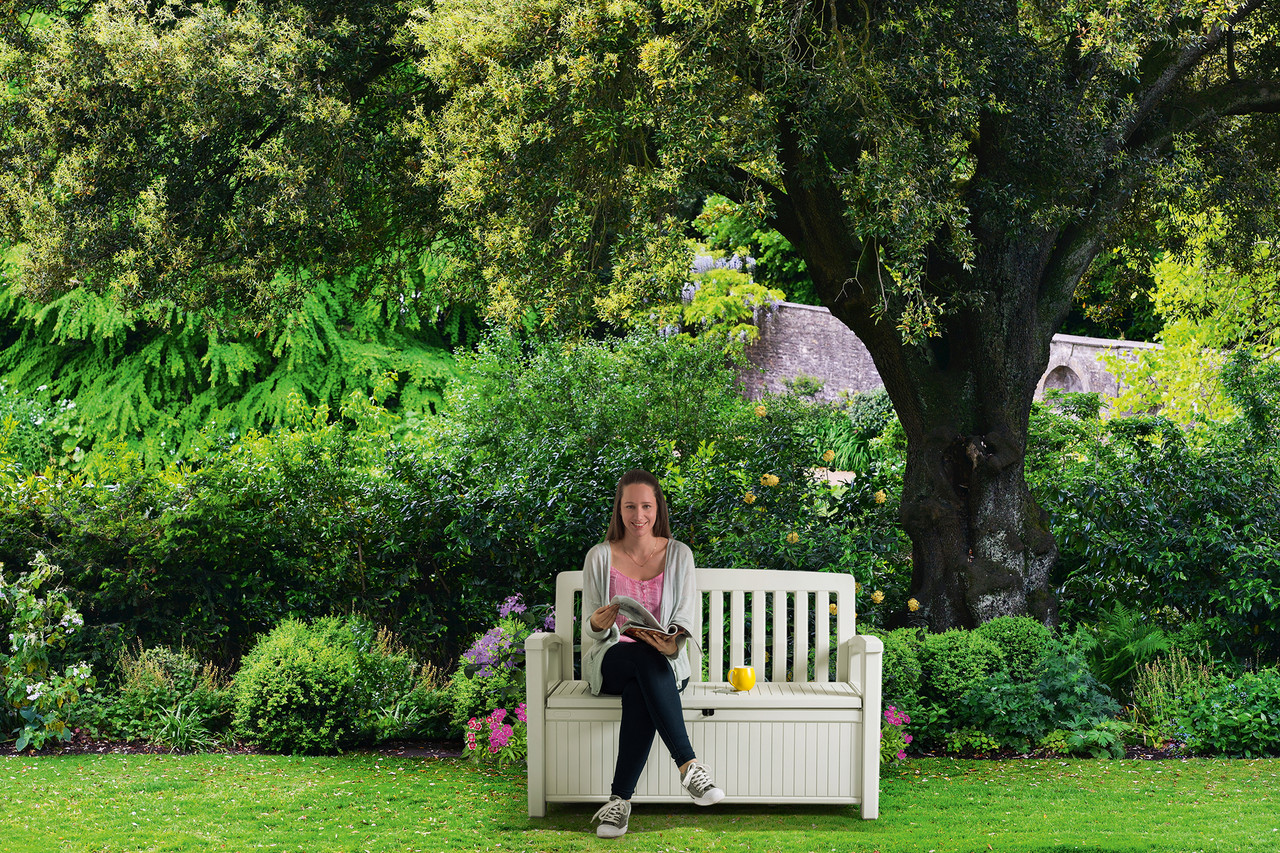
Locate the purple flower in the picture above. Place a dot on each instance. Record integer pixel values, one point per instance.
(549, 624)
(689, 291)
(490, 652)
(513, 604)
(496, 718)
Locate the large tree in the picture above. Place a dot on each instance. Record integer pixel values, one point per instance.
(948, 170)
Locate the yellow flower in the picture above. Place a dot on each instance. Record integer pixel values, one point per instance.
(828, 456)
(793, 538)
(881, 497)
(913, 605)
(877, 597)
(857, 586)
(749, 497)
(832, 608)
(769, 480)
(761, 411)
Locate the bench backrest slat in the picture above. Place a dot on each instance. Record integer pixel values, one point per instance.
(782, 597)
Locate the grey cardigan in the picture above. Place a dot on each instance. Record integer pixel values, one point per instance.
(679, 607)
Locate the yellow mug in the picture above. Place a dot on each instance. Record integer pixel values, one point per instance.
(742, 677)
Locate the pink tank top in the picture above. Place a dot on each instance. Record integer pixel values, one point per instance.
(648, 593)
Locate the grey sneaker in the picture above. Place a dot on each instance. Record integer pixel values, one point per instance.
(697, 781)
(613, 818)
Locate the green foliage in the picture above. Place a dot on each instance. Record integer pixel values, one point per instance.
(1162, 520)
(37, 698)
(1164, 692)
(1123, 640)
(955, 661)
(1020, 714)
(164, 696)
(1237, 716)
(298, 690)
(491, 674)
(157, 386)
(732, 228)
(27, 437)
(211, 153)
(901, 670)
(1022, 641)
(721, 301)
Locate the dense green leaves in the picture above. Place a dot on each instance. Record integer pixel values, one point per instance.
(208, 153)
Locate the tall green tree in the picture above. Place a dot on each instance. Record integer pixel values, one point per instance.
(947, 170)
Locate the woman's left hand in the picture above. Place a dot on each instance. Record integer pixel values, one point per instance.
(666, 645)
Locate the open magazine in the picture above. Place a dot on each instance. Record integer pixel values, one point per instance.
(639, 619)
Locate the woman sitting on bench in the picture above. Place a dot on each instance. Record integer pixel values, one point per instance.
(640, 561)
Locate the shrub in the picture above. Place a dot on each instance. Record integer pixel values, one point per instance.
(955, 661)
(1156, 517)
(1237, 717)
(901, 667)
(1011, 712)
(165, 696)
(298, 690)
(37, 698)
(491, 673)
(1023, 641)
(1020, 714)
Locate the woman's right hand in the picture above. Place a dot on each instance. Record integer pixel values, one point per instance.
(604, 617)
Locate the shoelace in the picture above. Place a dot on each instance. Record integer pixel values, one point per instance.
(699, 779)
(611, 812)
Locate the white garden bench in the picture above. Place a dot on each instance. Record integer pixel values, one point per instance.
(791, 739)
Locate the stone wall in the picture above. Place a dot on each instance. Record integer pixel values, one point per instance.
(806, 341)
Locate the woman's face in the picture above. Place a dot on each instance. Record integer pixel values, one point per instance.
(639, 509)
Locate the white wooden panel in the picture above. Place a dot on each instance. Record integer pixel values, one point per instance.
(800, 666)
(715, 637)
(736, 625)
(759, 615)
(779, 672)
(822, 637)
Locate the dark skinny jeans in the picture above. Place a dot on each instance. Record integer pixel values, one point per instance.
(640, 674)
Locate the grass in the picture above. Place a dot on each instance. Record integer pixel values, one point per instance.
(371, 803)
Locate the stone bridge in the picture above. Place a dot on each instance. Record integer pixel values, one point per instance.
(806, 341)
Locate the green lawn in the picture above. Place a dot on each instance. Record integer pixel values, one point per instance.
(367, 802)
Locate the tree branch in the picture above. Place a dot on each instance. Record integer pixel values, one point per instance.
(1182, 64)
(1232, 98)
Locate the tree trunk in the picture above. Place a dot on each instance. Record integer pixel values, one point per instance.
(981, 546)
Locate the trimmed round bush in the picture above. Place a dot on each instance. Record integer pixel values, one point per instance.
(902, 670)
(956, 660)
(1023, 641)
(298, 690)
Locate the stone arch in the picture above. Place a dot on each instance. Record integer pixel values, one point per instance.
(1063, 378)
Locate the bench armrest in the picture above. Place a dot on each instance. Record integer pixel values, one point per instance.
(866, 658)
(543, 657)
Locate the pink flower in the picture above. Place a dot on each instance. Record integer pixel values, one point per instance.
(473, 724)
(521, 713)
(906, 738)
(497, 717)
(901, 755)
(500, 738)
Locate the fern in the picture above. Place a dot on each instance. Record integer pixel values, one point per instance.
(156, 382)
